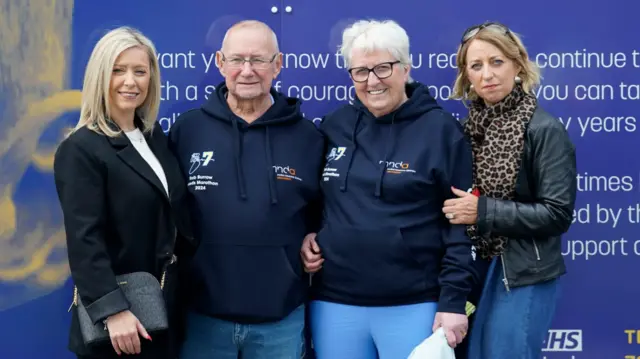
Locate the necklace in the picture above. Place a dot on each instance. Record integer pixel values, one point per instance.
(136, 136)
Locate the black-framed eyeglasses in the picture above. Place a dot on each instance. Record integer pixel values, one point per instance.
(474, 30)
(255, 62)
(382, 71)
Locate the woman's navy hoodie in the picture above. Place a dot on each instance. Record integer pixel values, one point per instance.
(384, 237)
(254, 193)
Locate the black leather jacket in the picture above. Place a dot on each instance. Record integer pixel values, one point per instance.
(543, 208)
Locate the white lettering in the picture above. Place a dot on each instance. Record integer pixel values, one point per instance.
(208, 59)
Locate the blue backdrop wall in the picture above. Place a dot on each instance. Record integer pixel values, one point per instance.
(591, 68)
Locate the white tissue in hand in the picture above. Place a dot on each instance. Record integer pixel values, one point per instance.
(434, 347)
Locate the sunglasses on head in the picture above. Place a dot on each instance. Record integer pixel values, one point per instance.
(474, 30)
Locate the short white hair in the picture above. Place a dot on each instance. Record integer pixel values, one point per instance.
(252, 24)
(372, 35)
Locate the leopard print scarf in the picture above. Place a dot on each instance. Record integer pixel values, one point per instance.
(497, 140)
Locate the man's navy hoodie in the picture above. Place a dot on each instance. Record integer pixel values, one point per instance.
(254, 192)
(384, 238)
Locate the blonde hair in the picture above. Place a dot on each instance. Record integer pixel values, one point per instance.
(95, 113)
(511, 46)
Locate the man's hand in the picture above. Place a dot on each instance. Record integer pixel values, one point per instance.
(310, 254)
(455, 326)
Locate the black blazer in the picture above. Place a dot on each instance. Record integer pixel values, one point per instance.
(118, 219)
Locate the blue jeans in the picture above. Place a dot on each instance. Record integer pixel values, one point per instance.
(210, 338)
(512, 324)
(349, 332)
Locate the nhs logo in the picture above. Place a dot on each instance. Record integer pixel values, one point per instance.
(563, 340)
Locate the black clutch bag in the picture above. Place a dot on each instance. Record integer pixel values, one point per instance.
(146, 297)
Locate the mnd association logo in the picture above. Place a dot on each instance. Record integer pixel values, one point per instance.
(397, 167)
(286, 173)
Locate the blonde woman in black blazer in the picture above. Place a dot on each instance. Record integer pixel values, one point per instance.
(122, 195)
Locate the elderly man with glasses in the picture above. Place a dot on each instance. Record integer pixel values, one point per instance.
(252, 164)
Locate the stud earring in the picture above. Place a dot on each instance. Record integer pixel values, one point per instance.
(518, 80)
(471, 87)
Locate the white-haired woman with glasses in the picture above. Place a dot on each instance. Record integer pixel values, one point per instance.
(389, 268)
(525, 190)
(122, 197)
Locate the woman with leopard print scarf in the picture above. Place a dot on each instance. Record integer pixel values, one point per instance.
(523, 195)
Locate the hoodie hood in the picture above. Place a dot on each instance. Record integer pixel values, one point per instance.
(418, 104)
(419, 101)
(283, 111)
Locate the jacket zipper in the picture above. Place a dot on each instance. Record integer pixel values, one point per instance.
(535, 246)
(504, 273)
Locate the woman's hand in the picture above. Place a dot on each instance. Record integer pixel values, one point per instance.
(123, 330)
(461, 210)
(310, 254)
(455, 326)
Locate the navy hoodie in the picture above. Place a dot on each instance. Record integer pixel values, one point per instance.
(384, 237)
(254, 192)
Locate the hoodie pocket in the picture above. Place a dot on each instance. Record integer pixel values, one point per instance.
(251, 282)
(278, 281)
(369, 262)
(291, 260)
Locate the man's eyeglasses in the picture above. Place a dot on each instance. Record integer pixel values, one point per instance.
(257, 63)
(474, 30)
(382, 71)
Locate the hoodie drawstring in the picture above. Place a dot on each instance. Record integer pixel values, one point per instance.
(242, 187)
(238, 154)
(350, 154)
(383, 165)
(271, 172)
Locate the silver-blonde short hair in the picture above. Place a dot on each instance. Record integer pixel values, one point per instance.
(372, 35)
(95, 112)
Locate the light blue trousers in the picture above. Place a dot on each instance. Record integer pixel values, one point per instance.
(351, 332)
